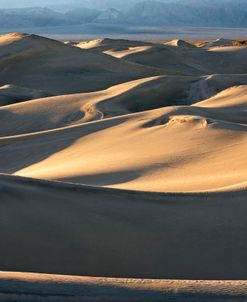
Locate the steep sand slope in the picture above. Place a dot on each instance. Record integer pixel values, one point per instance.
(49, 65)
(30, 287)
(69, 229)
(179, 43)
(130, 97)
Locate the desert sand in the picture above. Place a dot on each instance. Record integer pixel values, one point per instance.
(56, 288)
(122, 159)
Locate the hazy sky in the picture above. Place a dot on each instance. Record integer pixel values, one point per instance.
(98, 3)
(24, 3)
(86, 3)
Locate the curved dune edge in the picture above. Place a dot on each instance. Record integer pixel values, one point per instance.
(193, 135)
(130, 97)
(67, 185)
(43, 287)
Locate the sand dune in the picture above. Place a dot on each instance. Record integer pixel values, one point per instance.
(179, 43)
(185, 58)
(130, 151)
(117, 48)
(124, 52)
(219, 43)
(130, 97)
(49, 65)
(77, 229)
(110, 44)
(122, 159)
(11, 94)
(232, 100)
(193, 61)
(30, 287)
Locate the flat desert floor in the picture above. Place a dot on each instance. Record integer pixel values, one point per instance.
(125, 161)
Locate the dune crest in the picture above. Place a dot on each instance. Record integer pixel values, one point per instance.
(179, 43)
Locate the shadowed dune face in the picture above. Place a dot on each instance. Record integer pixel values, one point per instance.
(11, 94)
(123, 158)
(49, 65)
(83, 235)
(194, 61)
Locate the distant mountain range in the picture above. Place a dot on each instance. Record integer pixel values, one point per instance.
(190, 12)
(223, 13)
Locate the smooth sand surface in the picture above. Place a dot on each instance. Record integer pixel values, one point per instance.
(122, 159)
(137, 151)
(193, 60)
(77, 229)
(52, 66)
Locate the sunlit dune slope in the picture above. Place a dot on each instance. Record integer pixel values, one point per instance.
(130, 97)
(179, 43)
(232, 100)
(114, 137)
(167, 149)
